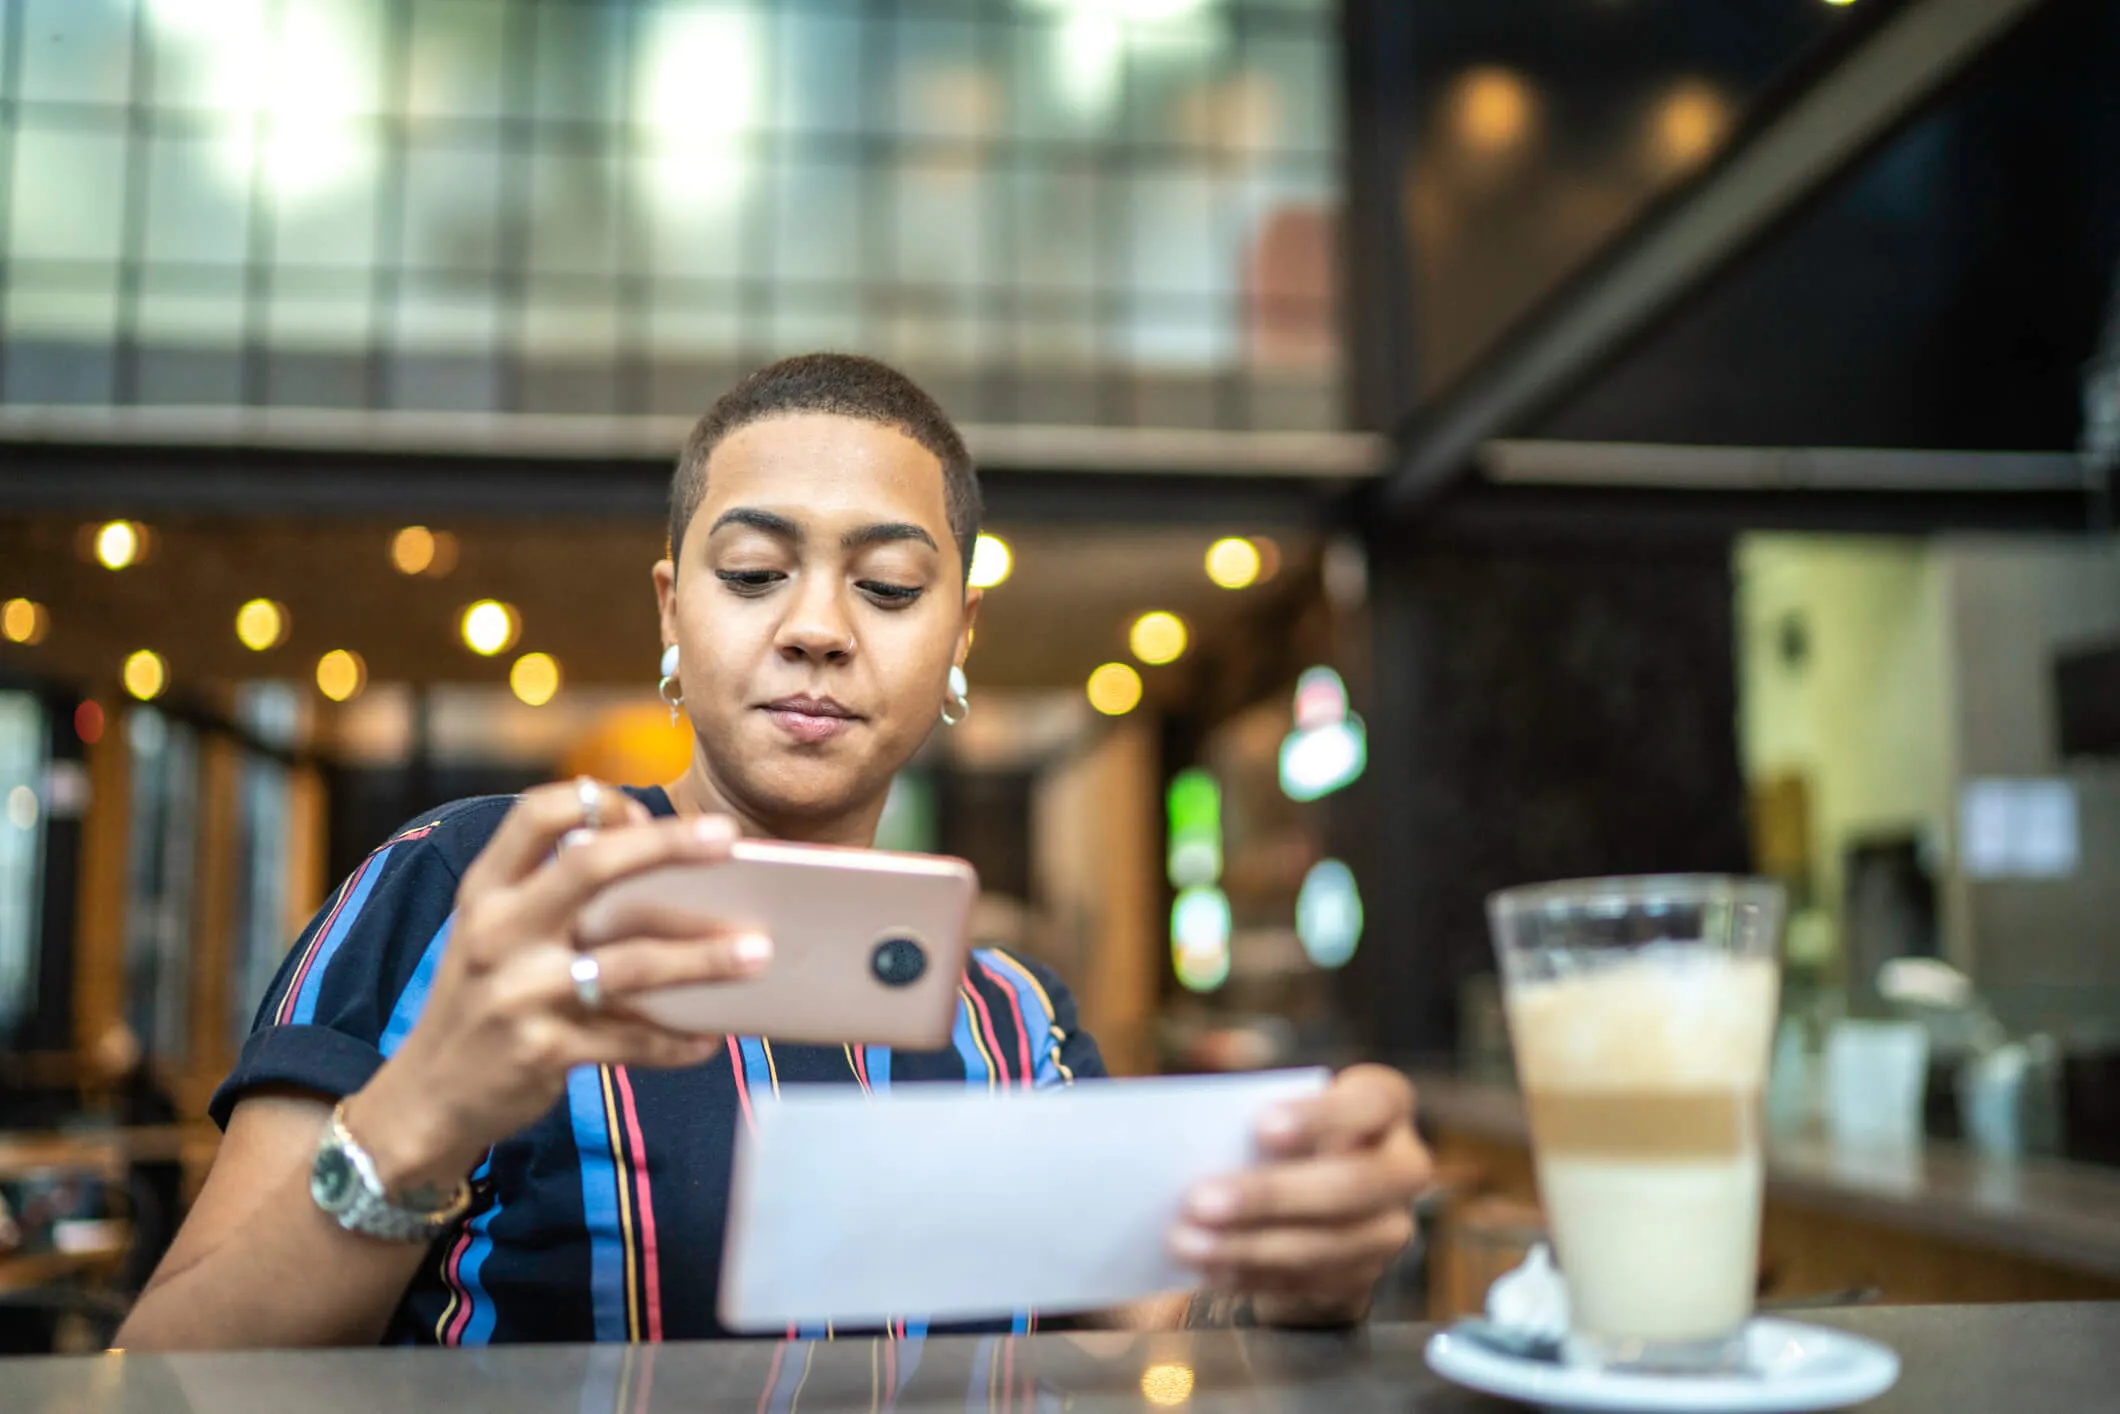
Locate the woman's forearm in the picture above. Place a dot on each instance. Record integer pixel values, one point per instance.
(270, 1268)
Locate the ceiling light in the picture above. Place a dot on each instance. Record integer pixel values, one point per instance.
(24, 621)
(1233, 563)
(1114, 689)
(412, 549)
(490, 627)
(1157, 637)
(146, 674)
(261, 624)
(118, 544)
(991, 561)
(534, 679)
(1494, 110)
(341, 674)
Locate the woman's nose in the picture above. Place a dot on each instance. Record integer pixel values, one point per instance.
(818, 627)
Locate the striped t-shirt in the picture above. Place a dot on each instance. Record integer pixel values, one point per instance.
(603, 1220)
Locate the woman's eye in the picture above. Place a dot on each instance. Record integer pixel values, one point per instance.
(750, 581)
(890, 595)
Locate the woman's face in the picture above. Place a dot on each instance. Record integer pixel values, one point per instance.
(817, 605)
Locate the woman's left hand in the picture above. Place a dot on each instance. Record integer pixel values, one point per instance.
(1307, 1233)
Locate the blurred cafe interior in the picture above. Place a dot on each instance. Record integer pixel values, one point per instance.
(1428, 446)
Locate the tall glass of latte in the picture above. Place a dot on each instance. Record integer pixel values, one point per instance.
(1641, 1012)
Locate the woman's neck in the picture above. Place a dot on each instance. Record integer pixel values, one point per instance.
(696, 793)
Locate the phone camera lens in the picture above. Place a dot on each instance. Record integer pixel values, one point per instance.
(898, 962)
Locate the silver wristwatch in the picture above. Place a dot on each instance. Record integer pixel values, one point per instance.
(344, 1183)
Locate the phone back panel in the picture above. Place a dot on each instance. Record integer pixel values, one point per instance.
(840, 921)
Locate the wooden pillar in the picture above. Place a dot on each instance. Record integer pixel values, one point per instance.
(106, 852)
(214, 914)
(307, 845)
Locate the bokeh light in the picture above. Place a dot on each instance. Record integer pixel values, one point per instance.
(412, 549)
(1167, 1384)
(24, 621)
(1115, 689)
(534, 679)
(22, 808)
(1492, 110)
(1233, 562)
(118, 544)
(88, 722)
(1157, 637)
(341, 675)
(261, 624)
(992, 562)
(490, 627)
(145, 674)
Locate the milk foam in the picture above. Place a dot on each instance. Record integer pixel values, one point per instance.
(1666, 1018)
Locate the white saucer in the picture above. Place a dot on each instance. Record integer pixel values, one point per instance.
(1790, 1367)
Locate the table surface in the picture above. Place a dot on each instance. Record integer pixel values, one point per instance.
(2030, 1359)
(2064, 1213)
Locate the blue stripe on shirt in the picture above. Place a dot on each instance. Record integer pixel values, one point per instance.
(413, 1000)
(978, 1072)
(1038, 1022)
(592, 1146)
(305, 1004)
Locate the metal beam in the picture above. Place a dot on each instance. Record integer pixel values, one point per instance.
(1163, 451)
(1790, 153)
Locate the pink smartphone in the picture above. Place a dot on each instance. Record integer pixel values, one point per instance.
(868, 945)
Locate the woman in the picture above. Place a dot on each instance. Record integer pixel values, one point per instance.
(517, 1156)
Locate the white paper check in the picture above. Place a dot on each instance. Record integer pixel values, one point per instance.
(939, 1202)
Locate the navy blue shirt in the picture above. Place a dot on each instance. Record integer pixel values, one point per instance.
(603, 1220)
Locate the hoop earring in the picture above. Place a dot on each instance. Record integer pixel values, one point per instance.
(669, 681)
(957, 702)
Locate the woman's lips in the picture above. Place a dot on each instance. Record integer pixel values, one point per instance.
(810, 722)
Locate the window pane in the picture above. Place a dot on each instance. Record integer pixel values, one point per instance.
(818, 72)
(1059, 216)
(1298, 74)
(300, 63)
(176, 312)
(804, 322)
(458, 54)
(940, 226)
(579, 73)
(1177, 237)
(574, 212)
(87, 311)
(324, 205)
(452, 209)
(697, 209)
(817, 222)
(69, 195)
(1065, 77)
(944, 87)
(198, 201)
(77, 51)
(680, 329)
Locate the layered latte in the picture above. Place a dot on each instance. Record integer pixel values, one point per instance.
(1644, 1079)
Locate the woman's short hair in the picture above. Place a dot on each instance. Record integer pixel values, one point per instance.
(846, 385)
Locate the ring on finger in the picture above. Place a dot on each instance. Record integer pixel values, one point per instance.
(591, 796)
(588, 977)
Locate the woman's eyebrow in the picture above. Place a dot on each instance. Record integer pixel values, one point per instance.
(777, 526)
(885, 532)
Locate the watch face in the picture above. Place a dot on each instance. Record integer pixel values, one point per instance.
(332, 1180)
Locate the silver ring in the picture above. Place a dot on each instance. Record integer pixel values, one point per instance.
(588, 975)
(591, 796)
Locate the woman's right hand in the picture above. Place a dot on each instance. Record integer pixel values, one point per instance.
(503, 1023)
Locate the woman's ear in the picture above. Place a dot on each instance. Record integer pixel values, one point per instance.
(972, 597)
(665, 575)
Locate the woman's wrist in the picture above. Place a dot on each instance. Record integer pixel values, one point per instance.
(417, 1149)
